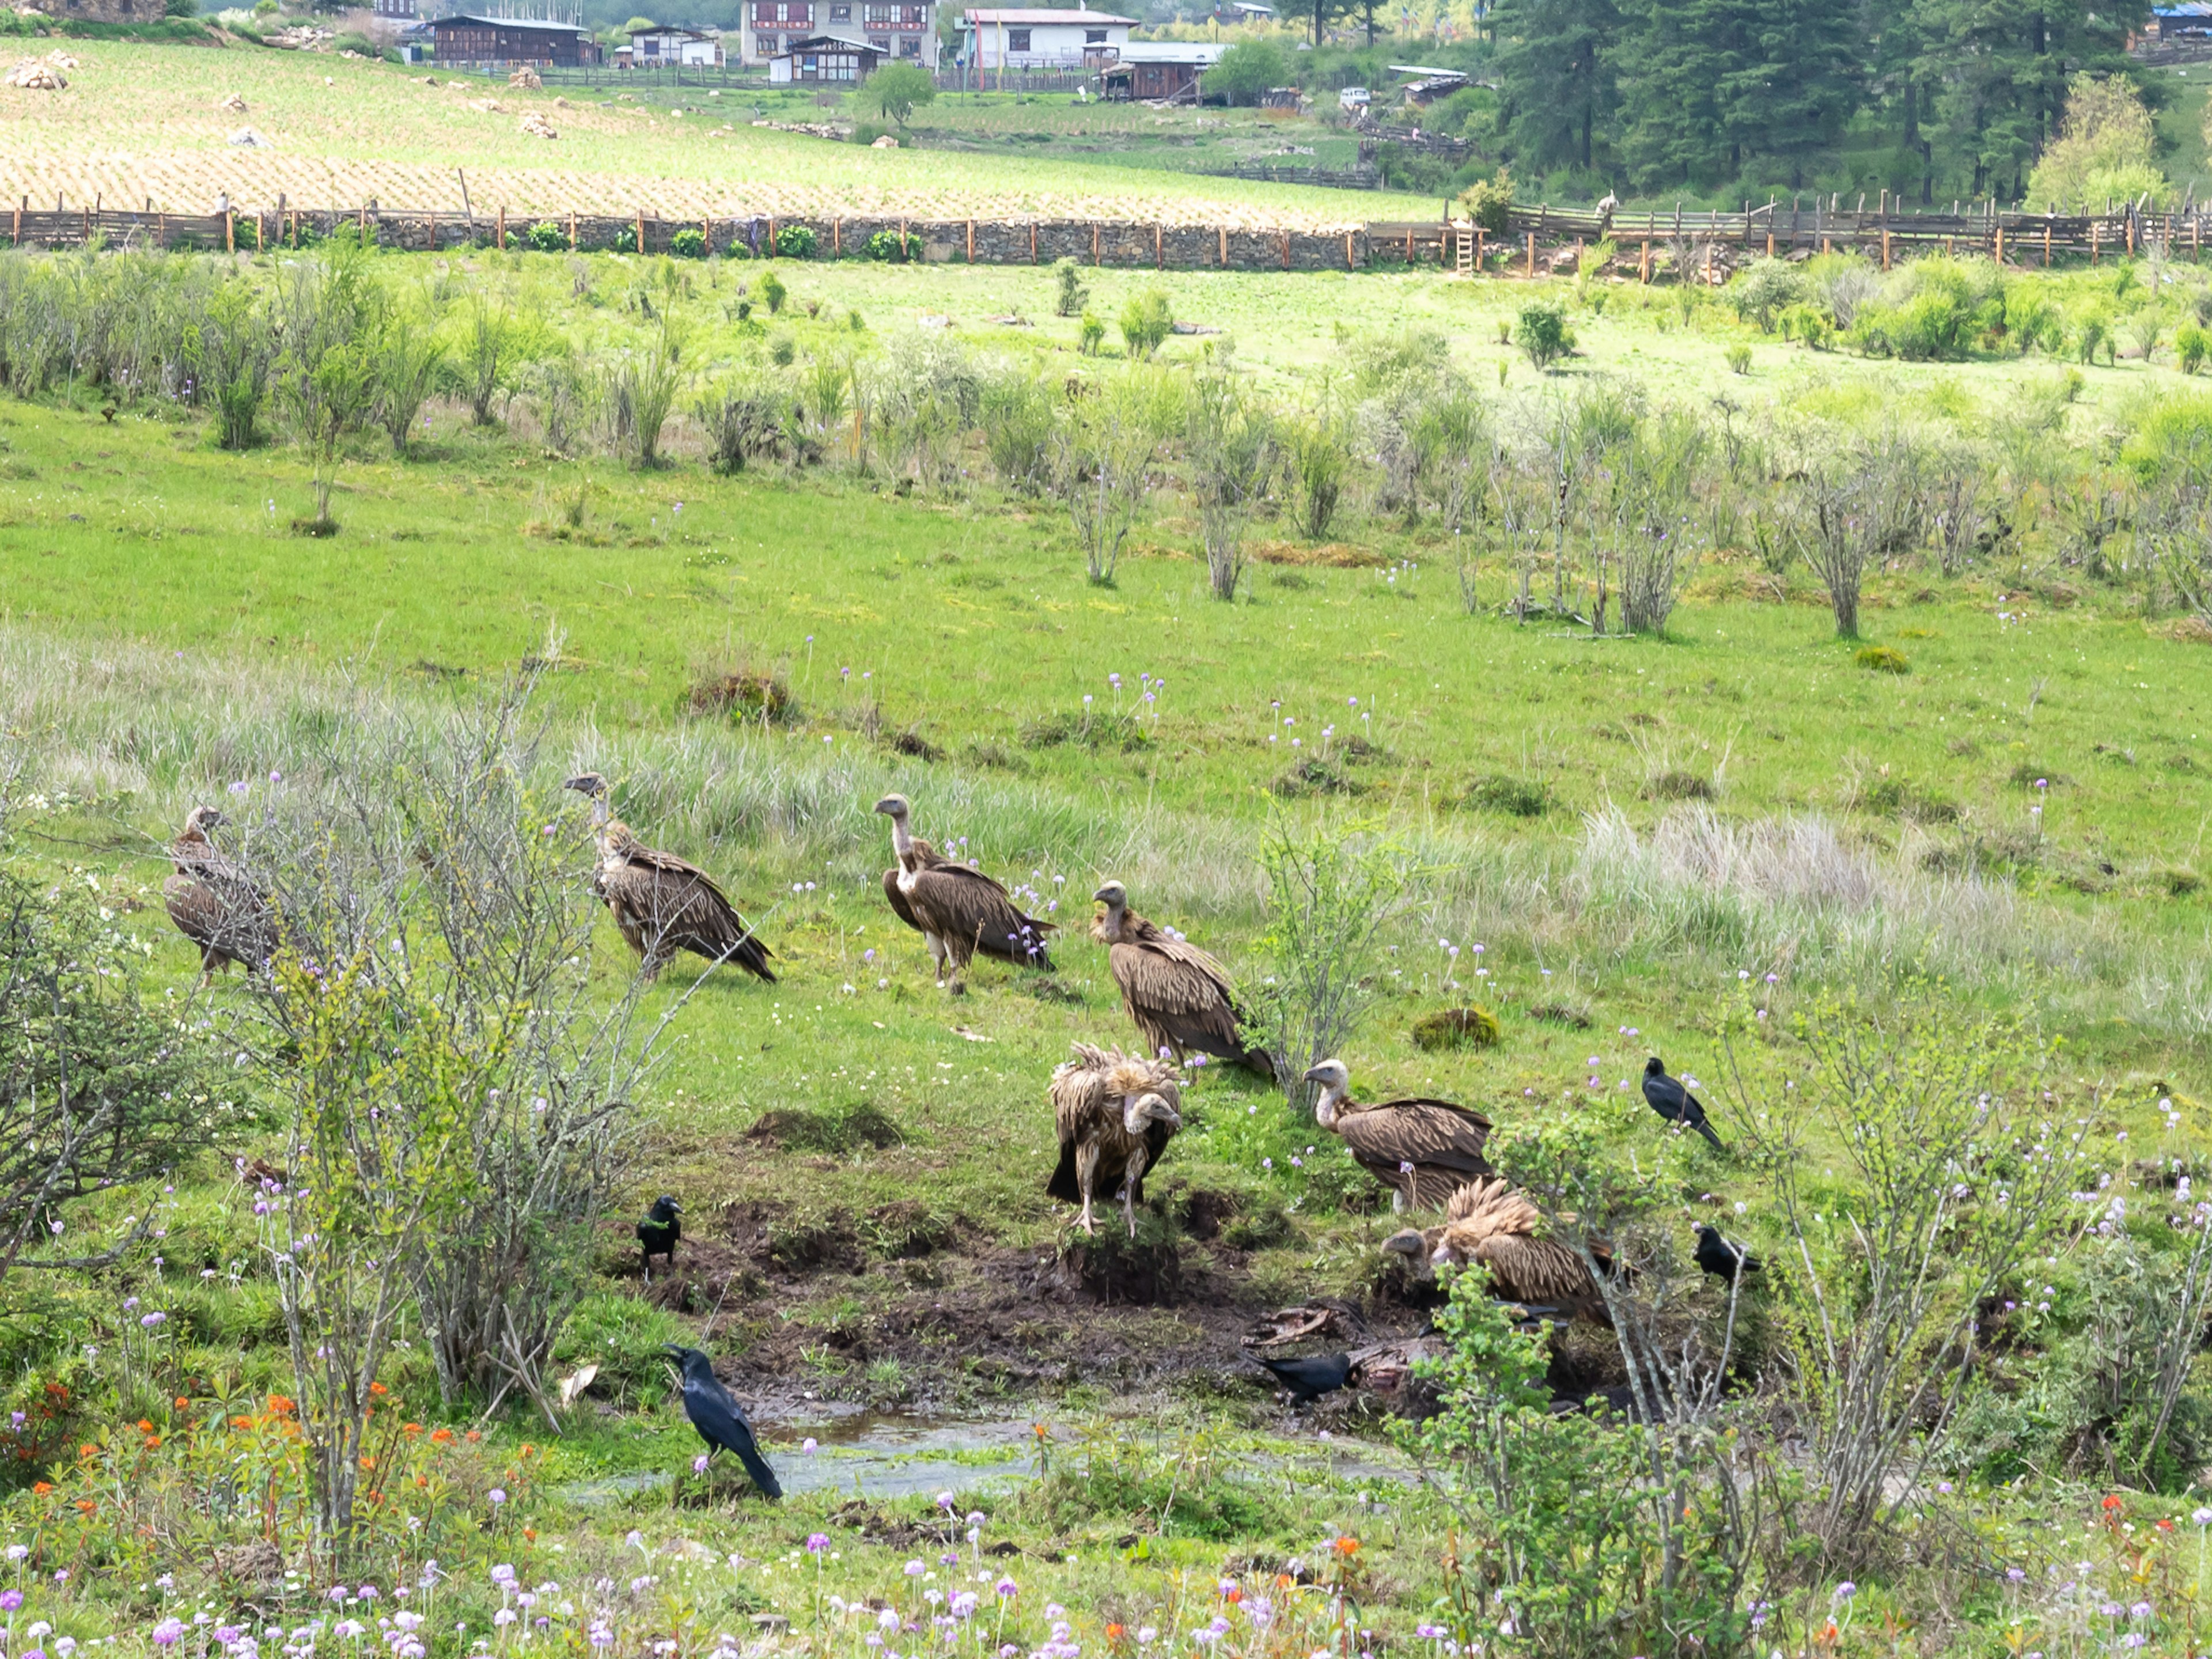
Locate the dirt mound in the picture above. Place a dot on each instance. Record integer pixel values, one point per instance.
(795, 1129)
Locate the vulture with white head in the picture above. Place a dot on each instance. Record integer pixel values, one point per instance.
(1116, 1114)
(1423, 1150)
(1180, 998)
(1488, 1221)
(214, 902)
(662, 903)
(959, 911)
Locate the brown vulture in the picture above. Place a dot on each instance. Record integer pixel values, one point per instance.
(214, 902)
(1488, 1221)
(662, 903)
(956, 908)
(1116, 1114)
(1180, 998)
(1423, 1150)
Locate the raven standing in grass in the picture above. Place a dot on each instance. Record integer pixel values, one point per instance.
(1721, 1258)
(658, 1233)
(1310, 1379)
(720, 1420)
(1675, 1104)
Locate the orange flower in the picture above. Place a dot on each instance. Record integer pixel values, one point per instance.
(1346, 1546)
(182, 1402)
(152, 1441)
(40, 1488)
(1116, 1632)
(472, 1436)
(86, 1505)
(369, 1462)
(145, 1427)
(88, 1450)
(410, 1428)
(441, 1436)
(281, 1405)
(378, 1388)
(526, 1450)
(1234, 1596)
(241, 1422)
(530, 1534)
(421, 1480)
(1284, 1581)
(2111, 1502)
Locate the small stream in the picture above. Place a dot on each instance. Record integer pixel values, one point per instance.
(864, 1453)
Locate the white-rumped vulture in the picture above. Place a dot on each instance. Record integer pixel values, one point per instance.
(956, 908)
(662, 903)
(1180, 998)
(214, 902)
(1116, 1114)
(1488, 1221)
(1423, 1150)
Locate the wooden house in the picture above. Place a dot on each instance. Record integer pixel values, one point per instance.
(830, 59)
(464, 38)
(1160, 70)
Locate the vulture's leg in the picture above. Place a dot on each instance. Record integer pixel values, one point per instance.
(1130, 1177)
(645, 1264)
(1397, 1200)
(937, 954)
(1086, 1174)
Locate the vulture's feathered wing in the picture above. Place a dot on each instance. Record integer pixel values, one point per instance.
(960, 912)
(1441, 1142)
(1177, 995)
(1490, 1223)
(1116, 1114)
(925, 856)
(664, 904)
(214, 902)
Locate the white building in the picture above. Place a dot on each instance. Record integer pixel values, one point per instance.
(651, 48)
(1040, 37)
(899, 31)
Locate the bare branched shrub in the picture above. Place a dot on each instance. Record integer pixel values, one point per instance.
(1234, 447)
(1017, 418)
(1101, 466)
(743, 423)
(1653, 477)
(1946, 1177)
(642, 389)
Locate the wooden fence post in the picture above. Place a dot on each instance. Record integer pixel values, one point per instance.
(1094, 242)
(1350, 263)
(229, 230)
(1770, 241)
(1033, 242)
(1885, 247)
(2046, 244)
(1478, 250)
(572, 232)
(771, 238)
(1286, 250)
(499, 233)
(1643, 264)
(971, 241)
(837, 237)
(1532, 253)
(19, 222)
(2001, 244)
(1221, 239)
(1159, 252)
(2094, 229)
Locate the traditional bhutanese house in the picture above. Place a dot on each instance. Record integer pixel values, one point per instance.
(691, 48)
(830, 59)
(1160, 70)
(1040, 37)
(2180, 20)
(462, 38)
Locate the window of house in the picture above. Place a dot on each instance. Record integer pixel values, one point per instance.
(882, 43)
(841, 14)
(1094, 37)
(651, 48)
(877, 16)
(910, 46)
(1018, 40)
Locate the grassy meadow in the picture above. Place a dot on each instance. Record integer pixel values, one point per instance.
(1679, 840)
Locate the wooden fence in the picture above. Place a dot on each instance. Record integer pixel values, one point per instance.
(1715, 239)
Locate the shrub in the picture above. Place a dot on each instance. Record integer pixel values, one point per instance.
(2191, 343)
(689, 243)
(898, 89)
(1456, 1028)
(888, 246)
(797, 241)
(1091, 335)
(1071, 295)
(1146, 322)
(1520, 797)
(1544, 335)
(1487, 201)
(741, 694)
(546, 237)
(1739, 359)
(1764, 289)
(1246, 72)
(773, 293)
(1882, 659)
(783, 348)
(738, 248)
(1809, 326)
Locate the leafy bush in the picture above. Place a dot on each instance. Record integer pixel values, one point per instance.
(1456, 1028)
(689, 243)
(1091, 335)
(738, 248)
(1071, 295)
(797, 241)
(1520, 797)
(2191, 343)
(1487, 201)
(1543, 334)
(1738, 358)
(1329, 895)
(1764, 289)
(546, 237)
(1246, 72)
(773, 293)
(898, 89)
(2172, 440)
(1882, 659)
(888, 246)
(1807, 325)
(1146, 322)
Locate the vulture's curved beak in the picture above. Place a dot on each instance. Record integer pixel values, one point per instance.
(890, 805)
(586, 783)
(1409, 1243)
(1315, 1075)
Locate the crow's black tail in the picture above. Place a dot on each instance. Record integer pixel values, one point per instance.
(1706, 1130)
(757, 1465)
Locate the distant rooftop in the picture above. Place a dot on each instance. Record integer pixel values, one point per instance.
(1030, 16)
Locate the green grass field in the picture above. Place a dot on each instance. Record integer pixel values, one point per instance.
(1738, 804)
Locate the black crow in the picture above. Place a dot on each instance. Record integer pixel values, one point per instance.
(1720, 1258)
(720, 1420)
(657, 1235)
(1675, 1104)
(1310, 1379)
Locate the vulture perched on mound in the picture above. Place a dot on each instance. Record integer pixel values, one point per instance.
(662, 904)
(1488, 1221)
(1422, 1149)
(1179, 997)
(214, 902)
(1116, 1114)
(959, 910)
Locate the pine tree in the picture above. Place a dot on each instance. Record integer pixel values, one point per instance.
(1556, 92)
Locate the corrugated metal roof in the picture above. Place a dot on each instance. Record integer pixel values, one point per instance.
(510, 23)
(1206, 52)
(1030, 16)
